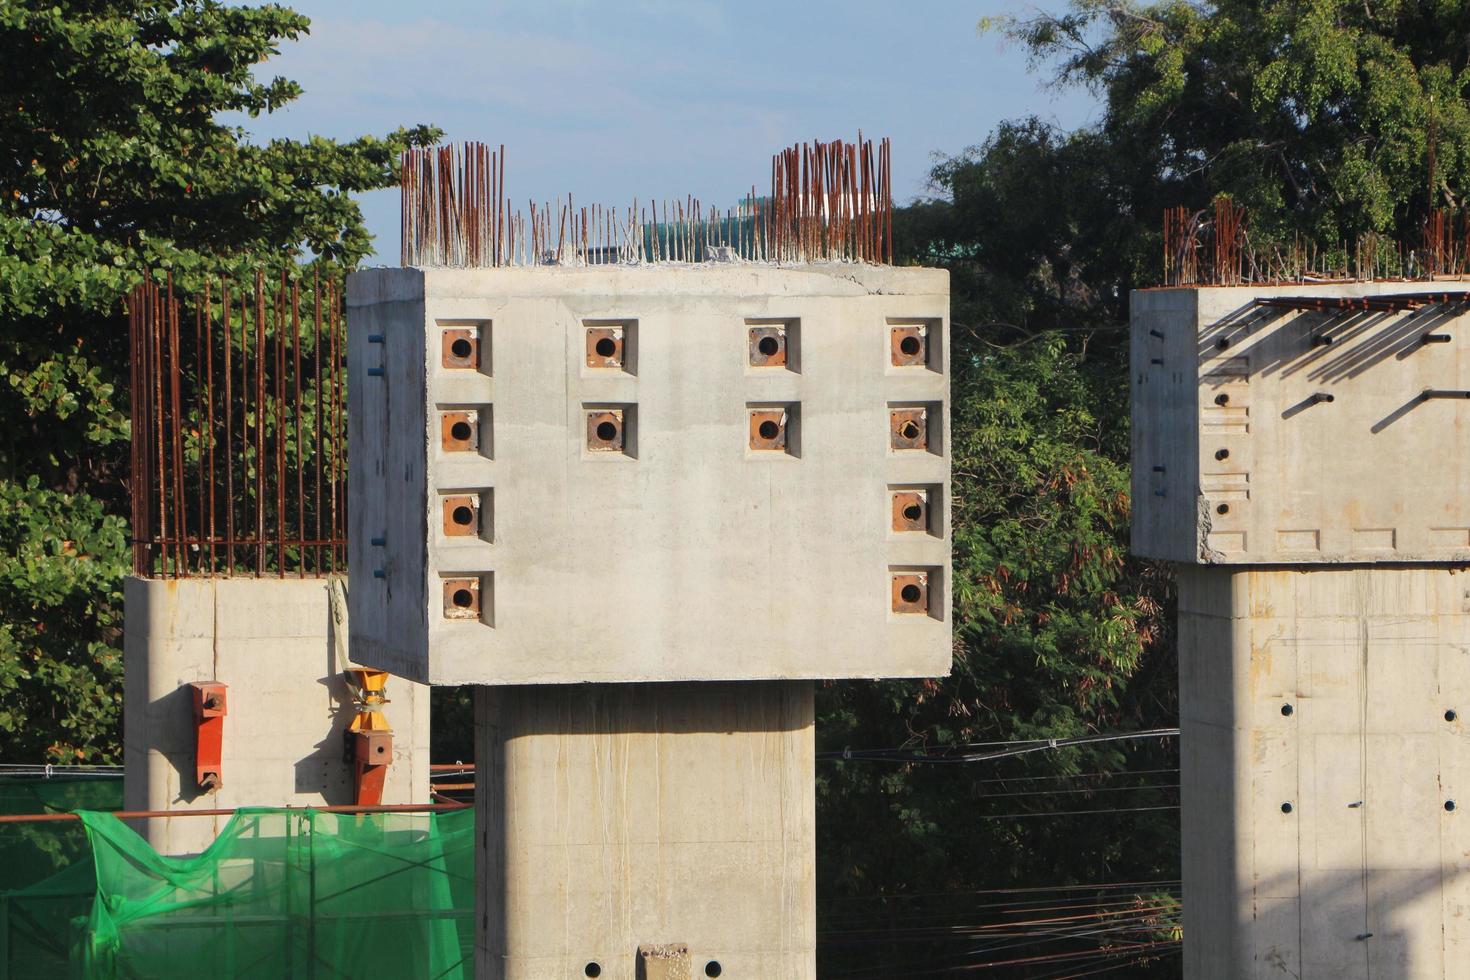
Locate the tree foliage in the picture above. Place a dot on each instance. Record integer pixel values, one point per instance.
(1327, 118)
(113, 162)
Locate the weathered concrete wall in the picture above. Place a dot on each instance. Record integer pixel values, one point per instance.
(1324, 739)
(270, 641)
(687, 555)
(1239, 460)
(618, 816)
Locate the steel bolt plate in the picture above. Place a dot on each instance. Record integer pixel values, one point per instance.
(459, 432)
(768, 346)
(605, 431)
(910, 592)
(908, 346)
(605, 347)
(461, 598)
(461, 516)
(908, 428)
(461, 349)
(768, 429)
(910, 510)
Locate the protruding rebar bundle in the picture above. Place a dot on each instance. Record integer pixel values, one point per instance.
(829, 202)
(238, 429)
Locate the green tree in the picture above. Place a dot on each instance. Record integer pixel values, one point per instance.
(1328, 118)
(1057, 633)
(113, 163)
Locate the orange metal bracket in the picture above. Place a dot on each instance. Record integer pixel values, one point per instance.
(210, 709)
(369, 739)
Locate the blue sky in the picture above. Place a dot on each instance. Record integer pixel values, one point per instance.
(608, 99)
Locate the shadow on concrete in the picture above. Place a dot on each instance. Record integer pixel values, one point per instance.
(174, 713)
(327, 768)
(1327, 346)
(668, 707)
(1350, 925)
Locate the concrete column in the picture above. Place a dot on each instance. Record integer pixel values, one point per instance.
(270, 640)
(1326, 772)
(614, 818)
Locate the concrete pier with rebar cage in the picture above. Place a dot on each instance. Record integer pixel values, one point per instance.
(1299, 453)
(643, 498)
(239, 516)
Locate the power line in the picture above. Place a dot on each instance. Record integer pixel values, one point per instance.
(1069, 813)
(1038, 889)
(1025, 747)
(1077, 775)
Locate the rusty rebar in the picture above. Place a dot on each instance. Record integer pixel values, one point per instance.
(829, 202)
(187, 388)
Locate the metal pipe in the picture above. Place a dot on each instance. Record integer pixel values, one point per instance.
(147, 814)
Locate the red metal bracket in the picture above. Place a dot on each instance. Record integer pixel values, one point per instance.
(369, 739)
(371, 751)
(210, 709)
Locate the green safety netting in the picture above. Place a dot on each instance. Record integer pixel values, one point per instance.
(47, 881)
(287, 893)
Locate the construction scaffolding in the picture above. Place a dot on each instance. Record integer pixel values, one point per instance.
(280, 892)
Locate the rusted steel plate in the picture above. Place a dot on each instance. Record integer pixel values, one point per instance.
(461, 349)
(768, 429)
(605, 347)
(908, 428)
(908, 346)
(461, 516)
(910, 510)
(459, 432)
(910, 593)
(461, 598)
(768, 346)
(605, 431)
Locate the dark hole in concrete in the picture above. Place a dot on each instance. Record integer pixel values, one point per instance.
(1222, 509)
(1222, 454)
(592, 970)
(1286, 808)
(1287, 709)
(909, 345)
(910, 593)
(913, 512)
(1223, 343)
(464, 516)
(1449, 804)
(909, 430)
(461, 347)
(1450, 715)
(1222, 399)
(461, 431)
(606, 347)
(769, 429)
(768, 345)
(463, 598)
(607, 431)
(712, 968)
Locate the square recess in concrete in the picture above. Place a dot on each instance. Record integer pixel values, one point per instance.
(675, 548)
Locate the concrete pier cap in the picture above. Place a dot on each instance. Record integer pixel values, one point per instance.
(1299, 452)
(644, 508)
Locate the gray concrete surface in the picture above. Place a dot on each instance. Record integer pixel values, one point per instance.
(270, 641)
(1271, 475)
(614, 818)
(686, 554)
(1316, 506)
(1325, 691)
